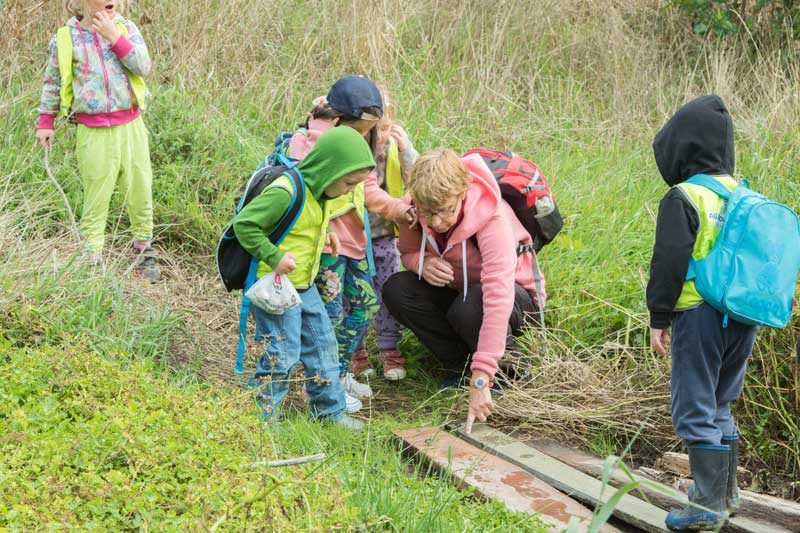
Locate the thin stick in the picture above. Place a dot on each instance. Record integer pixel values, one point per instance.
(293, 461)
(72, 226)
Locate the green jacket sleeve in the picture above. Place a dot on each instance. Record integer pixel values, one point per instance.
(257, 219)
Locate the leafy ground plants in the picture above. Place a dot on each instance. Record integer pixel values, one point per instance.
(91, 358)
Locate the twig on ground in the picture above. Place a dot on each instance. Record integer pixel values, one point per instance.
(73, 228)
(292, 461)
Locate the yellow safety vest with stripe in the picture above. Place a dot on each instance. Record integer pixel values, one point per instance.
(711, 213)
(65, 53)
(355, 200)
(306, 240)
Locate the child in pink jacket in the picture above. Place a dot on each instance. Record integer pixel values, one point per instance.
(468, 283)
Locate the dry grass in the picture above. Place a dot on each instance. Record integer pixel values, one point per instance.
(613, 389)
(575, 84)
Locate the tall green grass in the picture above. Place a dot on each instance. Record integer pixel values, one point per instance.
(580, 87)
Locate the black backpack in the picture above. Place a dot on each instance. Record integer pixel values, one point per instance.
(236, 267)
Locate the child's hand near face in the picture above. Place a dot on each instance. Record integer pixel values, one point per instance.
(104, 25)
(411, 217)
(400, 137)
(285, 265)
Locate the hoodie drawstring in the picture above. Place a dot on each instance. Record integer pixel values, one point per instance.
(421, 254)
(464, 266)
(421, 262)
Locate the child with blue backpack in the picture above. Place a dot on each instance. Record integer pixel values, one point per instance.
(709, 349)
(340, 160)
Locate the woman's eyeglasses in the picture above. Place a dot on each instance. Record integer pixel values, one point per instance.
(447, 212)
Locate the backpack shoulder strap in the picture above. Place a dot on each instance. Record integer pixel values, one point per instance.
(704, 180)
(277, 235)
(289, 218)
(64, 54)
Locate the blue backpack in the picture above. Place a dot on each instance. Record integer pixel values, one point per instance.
(750, 275)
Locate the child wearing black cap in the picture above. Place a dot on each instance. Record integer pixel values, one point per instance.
(345, 281)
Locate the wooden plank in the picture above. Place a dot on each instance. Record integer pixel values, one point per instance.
(567, 479)
(678, 463)
(494, 478)
(752, 517)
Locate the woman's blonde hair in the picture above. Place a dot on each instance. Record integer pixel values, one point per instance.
(437, 176)
(75, 7)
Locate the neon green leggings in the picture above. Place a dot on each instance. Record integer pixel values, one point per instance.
(111, 156)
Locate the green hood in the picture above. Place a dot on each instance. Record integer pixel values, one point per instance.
(338, 152)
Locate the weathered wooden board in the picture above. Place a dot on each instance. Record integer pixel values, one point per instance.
(753, 517)
(678, 463)
(567, 479)
(495, 478)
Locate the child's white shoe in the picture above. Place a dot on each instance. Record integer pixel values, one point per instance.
(353, 424)
(354, 388)
(352, 404)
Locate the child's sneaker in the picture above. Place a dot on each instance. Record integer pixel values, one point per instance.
(360, 366)
(348, 422)
(352, 404)
(354, 388)
(146, 264)
(393, 364)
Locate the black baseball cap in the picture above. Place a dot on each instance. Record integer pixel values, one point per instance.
(356, 97)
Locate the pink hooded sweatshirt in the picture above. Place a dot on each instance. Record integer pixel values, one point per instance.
(493, 263)
(348, 227)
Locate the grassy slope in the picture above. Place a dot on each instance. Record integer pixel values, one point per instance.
(580, 94)
(98, 433)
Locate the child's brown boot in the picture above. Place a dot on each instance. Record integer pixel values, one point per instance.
(360, 365)
(393, 364)
(146, 262)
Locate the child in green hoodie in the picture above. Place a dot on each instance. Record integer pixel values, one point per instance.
(339, 161)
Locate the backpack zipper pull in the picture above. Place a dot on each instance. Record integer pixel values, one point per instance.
(725, 321)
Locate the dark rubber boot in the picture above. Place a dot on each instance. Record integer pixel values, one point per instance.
(709, 466)
(734, 501)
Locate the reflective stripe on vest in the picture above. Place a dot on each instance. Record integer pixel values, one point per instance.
(394, 177)
(342, 205)
(65, 55)
(306, 240)
(710, 210)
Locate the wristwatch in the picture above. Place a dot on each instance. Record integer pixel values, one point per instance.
(480, 383)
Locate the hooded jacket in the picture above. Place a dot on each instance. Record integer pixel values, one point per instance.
(698, 139)
(102, 91)
(337, 153)
(482, 249)
(349, 224)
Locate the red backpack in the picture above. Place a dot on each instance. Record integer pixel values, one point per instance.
(525, 189)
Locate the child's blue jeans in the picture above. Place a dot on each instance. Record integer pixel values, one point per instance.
(304, 334)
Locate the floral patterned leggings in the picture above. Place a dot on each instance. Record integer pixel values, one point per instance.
(345, 286)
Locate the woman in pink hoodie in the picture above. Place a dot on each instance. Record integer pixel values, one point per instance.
(468, 281)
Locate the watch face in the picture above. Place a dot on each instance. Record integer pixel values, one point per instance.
(480, 383)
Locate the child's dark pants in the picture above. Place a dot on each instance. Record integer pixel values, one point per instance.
(708, 368)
